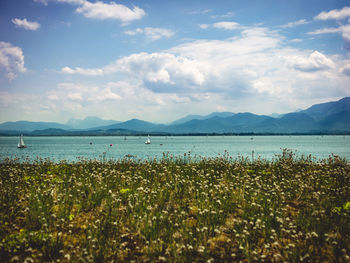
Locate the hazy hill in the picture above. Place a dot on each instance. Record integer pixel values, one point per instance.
(289, 123)
(202, 117)
(28, 126)
(330, 117)
(336, 122)
(237, 123)
(136, 125)
(89, 122)
(321, 111)
(61, 132)
(325, 117)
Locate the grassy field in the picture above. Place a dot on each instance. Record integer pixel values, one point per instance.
(176, 210)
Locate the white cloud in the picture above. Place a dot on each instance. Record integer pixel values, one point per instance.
(74, 2)
(334, 14)
(101, 10)
(344, 30)
(24, 23)
(296, 23)
(296, 40)
(11, 60)
(74, 96)
(80, 93)
(134, 32)
(226, 15)
(200, 12)
(44, 2)
(204, 26)
(152, 33)
(252, 40)
(346, 69)
(314, 62)
(255, 64)
(325, 30)
(337, 15)
(82, 71)
(163, 68)
(226, 25)
(124, 100)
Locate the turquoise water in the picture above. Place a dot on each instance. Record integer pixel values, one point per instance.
(72, 148)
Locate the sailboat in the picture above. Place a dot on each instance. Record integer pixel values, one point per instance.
(148, 141)
(21, 142)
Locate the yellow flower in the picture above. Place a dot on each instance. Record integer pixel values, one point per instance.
(125, 190)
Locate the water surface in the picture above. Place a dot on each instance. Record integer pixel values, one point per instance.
(71, 148)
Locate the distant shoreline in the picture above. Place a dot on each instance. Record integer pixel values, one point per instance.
(174, 134)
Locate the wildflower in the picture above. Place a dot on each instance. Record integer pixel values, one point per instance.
(162, 259)
(125, 190)
(314, 234)
(201, 249)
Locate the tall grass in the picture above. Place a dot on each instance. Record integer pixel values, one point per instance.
(177, 209)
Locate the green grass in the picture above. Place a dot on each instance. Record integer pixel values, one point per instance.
(176, 210)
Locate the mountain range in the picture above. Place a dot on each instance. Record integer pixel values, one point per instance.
(325, 118)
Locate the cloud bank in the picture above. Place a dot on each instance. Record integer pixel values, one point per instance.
(11, 60)
(255, 62)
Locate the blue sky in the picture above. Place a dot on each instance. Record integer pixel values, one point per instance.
(160, 60)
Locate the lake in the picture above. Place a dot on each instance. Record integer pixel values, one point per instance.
(71, 148)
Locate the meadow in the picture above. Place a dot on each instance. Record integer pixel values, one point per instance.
(176, 209)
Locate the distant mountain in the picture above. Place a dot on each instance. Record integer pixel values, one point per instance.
(201, 117)
(187, 118)
(28, 126)
(324, 118)
(135, 125)
(237, 123)
(321, 111)
(289, 123)
(61, 132)
(331, 117)
(89, 122)
(336, 122)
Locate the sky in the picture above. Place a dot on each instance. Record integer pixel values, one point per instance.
(160, 60)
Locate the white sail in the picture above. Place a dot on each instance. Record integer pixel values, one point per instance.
(148, 141)
(21, 143)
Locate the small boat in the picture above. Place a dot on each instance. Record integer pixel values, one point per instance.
(148, 141)
(21, 142)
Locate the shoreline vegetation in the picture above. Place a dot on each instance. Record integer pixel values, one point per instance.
(176, 209)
